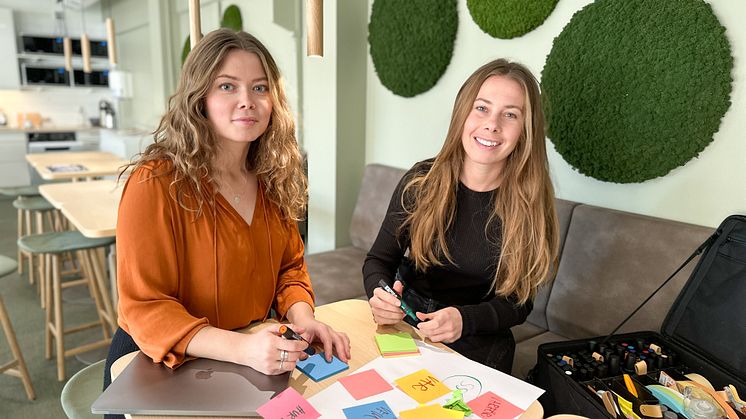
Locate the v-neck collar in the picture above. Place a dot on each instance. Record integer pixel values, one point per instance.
(258, 206)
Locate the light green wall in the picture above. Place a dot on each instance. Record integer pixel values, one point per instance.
(402, 131)
(333, 123)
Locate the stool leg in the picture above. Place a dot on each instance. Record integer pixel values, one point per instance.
(98, 267)
(11, 336)
(30, 230)
(40, 288)
(96, 292)
(20, 234)
(47, 291)
(59, 332)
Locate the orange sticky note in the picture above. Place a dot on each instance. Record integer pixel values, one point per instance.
(432, 411)
(422, 386)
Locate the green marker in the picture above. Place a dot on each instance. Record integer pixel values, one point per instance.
(404, 307)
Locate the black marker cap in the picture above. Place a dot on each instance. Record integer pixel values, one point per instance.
(602, 371)
(659, 362)
(629, 362)
(614, 361)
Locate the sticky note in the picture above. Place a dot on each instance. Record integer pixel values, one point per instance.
(396, 344)
(365, 384)
(288, 404)
(318, 369)
(430, 412)
(378, 410)
(490, 405)
(422, 386)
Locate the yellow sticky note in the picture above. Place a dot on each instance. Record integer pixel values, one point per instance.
(422, 386)
(431, 412)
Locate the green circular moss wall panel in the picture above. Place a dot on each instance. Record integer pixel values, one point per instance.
(411, 42)
(636, 88)
(509, 18)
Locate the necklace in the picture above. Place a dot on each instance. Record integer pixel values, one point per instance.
(237, 196)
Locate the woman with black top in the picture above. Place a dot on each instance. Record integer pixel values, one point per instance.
(471, 234)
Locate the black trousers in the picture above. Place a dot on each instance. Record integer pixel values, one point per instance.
(121, 344)
(493, 350)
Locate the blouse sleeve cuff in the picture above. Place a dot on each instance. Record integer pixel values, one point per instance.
(177, 355)
(287, 298)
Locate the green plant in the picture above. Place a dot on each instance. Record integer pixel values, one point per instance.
(411, 42)
(231, 20)
(635, 88)
(509, 18)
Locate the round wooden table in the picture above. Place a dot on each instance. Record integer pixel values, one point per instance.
(354, 318)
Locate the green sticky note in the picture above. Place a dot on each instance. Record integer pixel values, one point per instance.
(396, 344)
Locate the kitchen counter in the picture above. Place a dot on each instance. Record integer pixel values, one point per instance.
(52, 128)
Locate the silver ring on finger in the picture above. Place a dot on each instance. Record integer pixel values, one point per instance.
(283, 355)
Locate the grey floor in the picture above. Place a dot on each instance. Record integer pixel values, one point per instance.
(22, 302)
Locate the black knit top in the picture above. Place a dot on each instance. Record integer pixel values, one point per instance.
(467, 284)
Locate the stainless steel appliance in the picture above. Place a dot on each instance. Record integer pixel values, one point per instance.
(56, 141)
(40, 142)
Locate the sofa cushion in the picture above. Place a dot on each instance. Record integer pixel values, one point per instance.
(611, 262)
(525, 353)
(537, 315)
(526, 331)
(337, 274)
(378, 185)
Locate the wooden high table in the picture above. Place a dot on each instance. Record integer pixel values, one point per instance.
(90, 206)
(352, 317)
(94, 163)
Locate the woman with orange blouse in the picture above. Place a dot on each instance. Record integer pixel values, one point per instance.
(207, 240)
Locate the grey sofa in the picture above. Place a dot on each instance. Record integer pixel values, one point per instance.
(610, 261)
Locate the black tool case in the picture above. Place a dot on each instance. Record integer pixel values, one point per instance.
(703, 333)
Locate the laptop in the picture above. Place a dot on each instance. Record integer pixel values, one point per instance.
(201, 387)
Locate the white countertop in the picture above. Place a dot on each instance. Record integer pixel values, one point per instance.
(51, 128)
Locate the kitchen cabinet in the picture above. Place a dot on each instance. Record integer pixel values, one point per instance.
(14, 170)
(9, 77)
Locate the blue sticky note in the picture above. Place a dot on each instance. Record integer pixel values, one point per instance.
(379, 410)
(318, 369)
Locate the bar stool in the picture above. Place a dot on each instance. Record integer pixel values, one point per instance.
(30, 209)
(16, 367)
(20, 192)
(52, 245)
(82, 390)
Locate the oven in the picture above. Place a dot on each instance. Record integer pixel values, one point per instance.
(40, 142)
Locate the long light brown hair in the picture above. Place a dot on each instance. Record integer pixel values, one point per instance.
(185, 138)
(524, 205)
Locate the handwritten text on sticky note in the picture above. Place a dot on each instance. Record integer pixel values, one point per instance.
(377, 410)
(422, 386)
(489, 405)
(288, 404)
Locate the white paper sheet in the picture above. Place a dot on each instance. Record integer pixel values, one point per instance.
(454, 370)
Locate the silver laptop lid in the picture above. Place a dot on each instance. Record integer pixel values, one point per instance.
(202, 387)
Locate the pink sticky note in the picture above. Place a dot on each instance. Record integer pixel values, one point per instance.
(490, 405)
(365, 384)
(288, 404)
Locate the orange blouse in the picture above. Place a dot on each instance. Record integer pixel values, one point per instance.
(177, 273)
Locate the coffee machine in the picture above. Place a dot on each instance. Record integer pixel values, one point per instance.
(106, 114)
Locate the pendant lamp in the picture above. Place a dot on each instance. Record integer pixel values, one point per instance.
(315, 28)
(85, 45)
(195, 32)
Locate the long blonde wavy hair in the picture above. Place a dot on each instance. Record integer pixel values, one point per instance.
(524, 205)
(185, 138)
